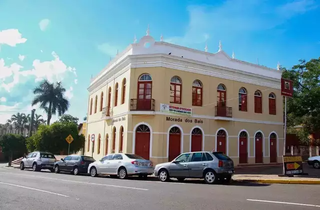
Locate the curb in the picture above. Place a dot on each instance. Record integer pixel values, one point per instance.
(270, 181)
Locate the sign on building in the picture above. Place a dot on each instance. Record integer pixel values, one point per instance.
(286, 87)
(175, 109)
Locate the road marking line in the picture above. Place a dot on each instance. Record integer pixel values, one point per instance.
(81, 182)
(285, 203)
(35, 189)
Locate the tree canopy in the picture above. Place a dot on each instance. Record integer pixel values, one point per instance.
(13, 145)
(67, 118)
(52, 138)
(304, 108)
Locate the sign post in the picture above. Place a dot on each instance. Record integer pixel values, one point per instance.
(293, 165)
(69, 139)
(92, 140)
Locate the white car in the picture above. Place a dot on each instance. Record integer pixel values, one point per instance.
(314, 161)
(121, 165)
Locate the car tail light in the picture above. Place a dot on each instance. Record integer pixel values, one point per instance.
(150, 164)
(134, 163)
(82, 163)
(220, 163)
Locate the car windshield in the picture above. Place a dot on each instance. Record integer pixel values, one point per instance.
(86, 158)
(46, 155)
(133, 156)
(221, 156)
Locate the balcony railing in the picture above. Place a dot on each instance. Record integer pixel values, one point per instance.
(106, 111)
(223, 111)
(142, 104)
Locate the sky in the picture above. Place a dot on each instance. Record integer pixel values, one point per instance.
(71, 41)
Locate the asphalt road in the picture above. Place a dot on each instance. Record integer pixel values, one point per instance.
(30, 190)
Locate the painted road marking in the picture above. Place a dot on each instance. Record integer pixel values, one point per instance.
(284, 203)
(81, 182)
(34, 189)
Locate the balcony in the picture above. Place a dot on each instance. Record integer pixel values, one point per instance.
(142, 104)
(223, 111)
(105, 112)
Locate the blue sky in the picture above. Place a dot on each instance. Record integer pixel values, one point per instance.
(70, 41)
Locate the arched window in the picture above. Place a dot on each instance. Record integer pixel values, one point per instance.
(144, 93)
(145, 77)
(96, 104)
(243, 100)
(109, 101)
(91, 103)
(175, 90)
(221, 95)
(106, 144)
(99, 143)
(93, 144)
(88, 149)
(116, 94)
(272, 104)
(258, 101)
(196, 93)
(114, 139)
(101, 102)
(123, 98)
(121, 139)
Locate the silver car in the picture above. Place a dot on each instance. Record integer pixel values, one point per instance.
(38, 160)
(208, 165)
(121, 165)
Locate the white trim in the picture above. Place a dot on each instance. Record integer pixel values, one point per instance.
(157, 157)
(159, 133)
(233, 136)
(277, 142)
(263, 144)
(168, 138)
(248, 142)
(227, 140)
(210, 135)
(134, 137)
(203, 136)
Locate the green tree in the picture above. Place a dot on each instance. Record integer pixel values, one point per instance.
(304, 108)
(19, 121)
(13, 145)
(52, 138)
(67, 118)
(51, 98)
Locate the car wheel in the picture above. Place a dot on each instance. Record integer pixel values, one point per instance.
(52, 170)
(122, 173)
(316, 165)
(210, 177)
(35, 167)
(75, 171)
(93, 171)
(21, 166)
(163, 175)
(181, 179)
(57, 169)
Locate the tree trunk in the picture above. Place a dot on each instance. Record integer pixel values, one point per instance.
(10, 159)
(49, 114)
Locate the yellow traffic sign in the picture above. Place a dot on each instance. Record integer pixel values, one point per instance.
(292, 159)
(296, 165)
(69, 139)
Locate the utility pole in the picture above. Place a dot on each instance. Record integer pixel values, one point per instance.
(31, 122)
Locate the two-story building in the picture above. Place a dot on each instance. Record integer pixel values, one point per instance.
(157, 99)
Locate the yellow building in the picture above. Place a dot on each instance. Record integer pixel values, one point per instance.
(158, 99)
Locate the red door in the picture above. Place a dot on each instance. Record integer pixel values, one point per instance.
(258, 148)
(174, 145)
(273, 148)
(221, 142)
(144, 95)
(196, 140)
(243, 148)
(142, 142)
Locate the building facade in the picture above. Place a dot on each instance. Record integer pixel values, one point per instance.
(157, 99)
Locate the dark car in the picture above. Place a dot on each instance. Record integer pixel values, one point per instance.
(76, 164)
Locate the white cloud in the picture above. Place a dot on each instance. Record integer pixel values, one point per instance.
(3, 99)
(7, 111)
(11, 37)
(237, 16)
(21, 57)
(43, 24)
(108, 49)
(69, 93)
(75, 81)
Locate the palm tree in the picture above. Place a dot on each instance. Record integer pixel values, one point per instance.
(19, 120)
(50, 96)
(38, 121)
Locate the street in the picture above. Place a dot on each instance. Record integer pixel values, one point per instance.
(45, 190)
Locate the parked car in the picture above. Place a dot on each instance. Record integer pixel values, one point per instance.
(314, 161)
(208, 165)
(38, 160)
(121, 165)
(76, 164)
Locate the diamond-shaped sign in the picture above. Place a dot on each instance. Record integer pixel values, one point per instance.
(69, 139)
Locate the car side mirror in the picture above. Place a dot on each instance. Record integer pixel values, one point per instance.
(175, 161)
(62, 159)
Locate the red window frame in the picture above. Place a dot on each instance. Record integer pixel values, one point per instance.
(258, 102)
(196, 96)
(99, 143)
(114, 140)
(222, 97)
(175, 88)
(101, 102)
(272, 105)
(116, 95)
(121, 139)
(123, 91)
(243, 100)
